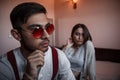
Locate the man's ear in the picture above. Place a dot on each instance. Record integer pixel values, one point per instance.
(16, 34)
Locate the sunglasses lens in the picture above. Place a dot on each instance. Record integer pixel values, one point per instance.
(50, 29)
(37, 33)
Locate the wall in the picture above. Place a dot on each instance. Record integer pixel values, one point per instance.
(102, 17)
(7, 42)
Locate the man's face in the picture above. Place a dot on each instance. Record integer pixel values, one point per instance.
(33, 42)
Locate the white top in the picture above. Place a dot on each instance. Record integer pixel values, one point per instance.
(85, 55)
(45, 73)
(76, 58)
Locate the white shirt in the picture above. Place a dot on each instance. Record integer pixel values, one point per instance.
(76, 58)
(45, 73)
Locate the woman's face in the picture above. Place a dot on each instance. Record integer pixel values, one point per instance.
(78, 36)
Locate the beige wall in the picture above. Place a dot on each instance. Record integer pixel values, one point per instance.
(7, 42)
(102, 18)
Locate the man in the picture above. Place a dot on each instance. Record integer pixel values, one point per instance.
(34, 57)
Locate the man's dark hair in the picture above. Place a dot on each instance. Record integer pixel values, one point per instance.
(23, 11)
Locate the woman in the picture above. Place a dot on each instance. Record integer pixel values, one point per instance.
(81, 54)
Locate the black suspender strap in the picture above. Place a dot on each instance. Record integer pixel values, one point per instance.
(12, 60)
(55, 62)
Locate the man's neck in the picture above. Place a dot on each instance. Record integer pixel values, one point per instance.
(24, 52)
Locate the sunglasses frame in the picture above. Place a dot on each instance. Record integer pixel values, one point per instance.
(40, 30)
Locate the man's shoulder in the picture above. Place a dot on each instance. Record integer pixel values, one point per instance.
(59, 51)
(5, 67)
(4, 63)
(4, 57)
(61, 55)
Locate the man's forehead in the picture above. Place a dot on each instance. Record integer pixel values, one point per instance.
(37, 17)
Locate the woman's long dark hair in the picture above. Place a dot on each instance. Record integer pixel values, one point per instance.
(86, 36)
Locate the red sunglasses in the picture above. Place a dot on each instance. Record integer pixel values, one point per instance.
(38, 31)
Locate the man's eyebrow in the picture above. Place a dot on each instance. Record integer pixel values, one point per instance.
(34, 25)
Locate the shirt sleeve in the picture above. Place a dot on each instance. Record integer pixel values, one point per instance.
(5, 70)
(92, 60)
(64, 72)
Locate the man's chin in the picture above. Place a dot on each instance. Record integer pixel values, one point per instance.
(44, 49)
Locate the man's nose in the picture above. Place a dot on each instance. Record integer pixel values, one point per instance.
(45, 34)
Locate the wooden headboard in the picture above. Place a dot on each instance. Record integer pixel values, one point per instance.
(104, 54)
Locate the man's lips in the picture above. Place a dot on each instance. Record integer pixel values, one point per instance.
(45, 44)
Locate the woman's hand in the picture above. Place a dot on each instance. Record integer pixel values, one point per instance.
(69, 43)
